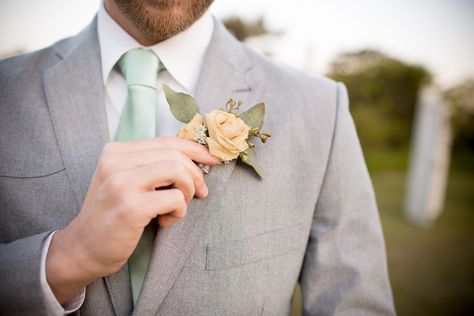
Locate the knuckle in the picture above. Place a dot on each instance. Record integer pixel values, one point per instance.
(199, 178)
(175, 168)
(173, 153)
(133, 202)
(123, 213)
(180, 214)
(129, 203)
(170, 154)
(179, 196)
(164, 141)
(106, 165)
(166, 221)
(117, 183)
(178, 168)
(198, 149)
(180, 202)
(128, 207)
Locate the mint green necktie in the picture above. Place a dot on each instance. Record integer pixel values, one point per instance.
(138, 121)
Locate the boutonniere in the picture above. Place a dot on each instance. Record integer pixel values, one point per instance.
(226, 132)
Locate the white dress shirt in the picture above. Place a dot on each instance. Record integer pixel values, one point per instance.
(182, 55)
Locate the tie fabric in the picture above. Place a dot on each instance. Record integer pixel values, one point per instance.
(138, 121)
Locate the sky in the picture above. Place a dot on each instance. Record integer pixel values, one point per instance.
(438, 34)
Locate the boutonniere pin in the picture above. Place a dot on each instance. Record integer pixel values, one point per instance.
(226, 132)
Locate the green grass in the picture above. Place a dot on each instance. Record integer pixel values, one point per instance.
(383, 160)
(431, 269)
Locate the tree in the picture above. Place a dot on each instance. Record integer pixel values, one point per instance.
(383, 93)
(243, 29)
(461, 98)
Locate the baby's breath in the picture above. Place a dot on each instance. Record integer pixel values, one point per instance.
(200, 134)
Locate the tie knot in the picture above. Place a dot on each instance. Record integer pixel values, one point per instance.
(140, 67)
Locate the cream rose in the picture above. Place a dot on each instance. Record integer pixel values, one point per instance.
(227, 135)
(189, 131)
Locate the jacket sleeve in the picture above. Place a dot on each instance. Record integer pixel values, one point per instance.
(345, 268)
(24, 289)
(20, 290)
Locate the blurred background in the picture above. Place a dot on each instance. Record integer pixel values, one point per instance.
(409, 69)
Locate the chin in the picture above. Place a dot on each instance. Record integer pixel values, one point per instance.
(157, 20)
(163, 4)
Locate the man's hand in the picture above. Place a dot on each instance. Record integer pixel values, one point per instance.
(133, 183)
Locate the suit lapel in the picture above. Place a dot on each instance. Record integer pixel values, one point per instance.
(75, 96)
(76, 100)
(220, 79)
(120, 291)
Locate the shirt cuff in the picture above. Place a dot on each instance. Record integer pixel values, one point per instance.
(52, 304)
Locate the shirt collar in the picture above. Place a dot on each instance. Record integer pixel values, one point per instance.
(182, 55)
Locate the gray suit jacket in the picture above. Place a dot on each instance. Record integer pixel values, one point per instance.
(238, 252)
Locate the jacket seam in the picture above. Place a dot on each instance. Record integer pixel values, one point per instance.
(331, 147)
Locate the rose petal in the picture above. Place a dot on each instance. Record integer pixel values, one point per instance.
(219, 151)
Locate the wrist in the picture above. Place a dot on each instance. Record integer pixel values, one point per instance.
(67, 269)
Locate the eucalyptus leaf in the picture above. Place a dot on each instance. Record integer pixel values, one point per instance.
(182, 105)
(252, 162)
(253, 117)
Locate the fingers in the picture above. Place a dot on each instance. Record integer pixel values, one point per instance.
(140, 202)
(118, 162)
(161, 175)
(194, 151)
(137, 210)
(167, 220)
(149, 178)
(169, 205)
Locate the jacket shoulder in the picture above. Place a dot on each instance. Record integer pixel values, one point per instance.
(314, 97)
(280, 77)
(29, 64)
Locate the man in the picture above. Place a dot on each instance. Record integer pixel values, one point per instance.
(74, 206)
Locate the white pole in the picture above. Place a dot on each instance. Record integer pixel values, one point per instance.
(429, 158)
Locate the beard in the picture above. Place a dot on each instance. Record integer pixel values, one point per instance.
(158, 20)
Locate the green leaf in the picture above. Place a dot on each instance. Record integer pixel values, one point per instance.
(182, 105)
(252, 162)
(253, 117)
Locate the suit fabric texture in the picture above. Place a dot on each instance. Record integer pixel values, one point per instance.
(240, 251)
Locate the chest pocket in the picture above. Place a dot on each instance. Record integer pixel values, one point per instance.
(28, 147)
(30, 161)
(35, 195)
